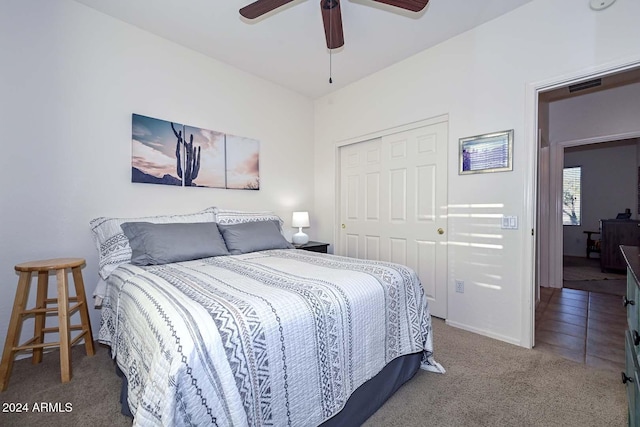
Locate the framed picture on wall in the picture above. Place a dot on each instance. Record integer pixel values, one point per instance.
(168, 153)
(491, 152)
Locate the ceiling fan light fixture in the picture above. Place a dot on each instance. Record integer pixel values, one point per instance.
(331, 15)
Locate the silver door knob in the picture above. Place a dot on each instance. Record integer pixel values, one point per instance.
(344, 226)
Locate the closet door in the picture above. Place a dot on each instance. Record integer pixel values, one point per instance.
(393, 204)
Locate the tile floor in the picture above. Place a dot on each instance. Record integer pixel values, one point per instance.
(587, 327)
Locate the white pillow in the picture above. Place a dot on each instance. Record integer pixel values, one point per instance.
(230, 217)
(113, 246)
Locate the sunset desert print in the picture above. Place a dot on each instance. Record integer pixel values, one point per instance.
(212, 154)
(153, 151)
(242, 163)
(169, 153)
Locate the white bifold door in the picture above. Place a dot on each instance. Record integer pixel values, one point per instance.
(393, 204)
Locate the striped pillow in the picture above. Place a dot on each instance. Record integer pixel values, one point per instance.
(230, 217)
(113, 246)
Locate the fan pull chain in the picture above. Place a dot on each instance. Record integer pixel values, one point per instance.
(330, 55)
(330, 49)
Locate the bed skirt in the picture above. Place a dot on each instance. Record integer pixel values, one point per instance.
(366, 400)
(370, 396)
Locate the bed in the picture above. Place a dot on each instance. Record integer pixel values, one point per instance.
(275, 336)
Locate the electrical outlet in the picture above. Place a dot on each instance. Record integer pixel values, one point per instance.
(460, 286)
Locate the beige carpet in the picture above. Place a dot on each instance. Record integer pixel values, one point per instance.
(586, 273)
(488, 383)
(492, 383)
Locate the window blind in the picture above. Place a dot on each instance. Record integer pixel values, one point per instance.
(571, 195)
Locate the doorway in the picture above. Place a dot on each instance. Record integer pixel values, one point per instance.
(547, 245)
(557, 108)
(597, 194)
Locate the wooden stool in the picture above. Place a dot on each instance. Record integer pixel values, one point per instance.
(36, 344)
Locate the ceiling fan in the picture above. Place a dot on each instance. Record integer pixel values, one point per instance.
(331, 16)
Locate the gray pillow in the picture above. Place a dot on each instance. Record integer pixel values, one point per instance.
(154, 244)
(253, 236)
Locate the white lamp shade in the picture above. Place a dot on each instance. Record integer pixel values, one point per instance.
(300, 219)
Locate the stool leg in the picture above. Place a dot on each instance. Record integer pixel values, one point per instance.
(43, 287)
(84, 311)
(63, 321)
(15, 327)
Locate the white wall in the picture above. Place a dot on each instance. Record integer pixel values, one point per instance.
(480, 79)
(71, 78)
(609, 112)
(609, 185)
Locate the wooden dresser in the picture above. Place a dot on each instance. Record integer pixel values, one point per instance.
(631, 374)
(616, 232)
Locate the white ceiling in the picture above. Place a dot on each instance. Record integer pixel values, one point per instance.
(287, 46)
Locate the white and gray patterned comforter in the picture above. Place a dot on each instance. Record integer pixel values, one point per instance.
(279, 337)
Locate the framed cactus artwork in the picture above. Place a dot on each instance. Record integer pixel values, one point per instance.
(242, 163)
(170, 153)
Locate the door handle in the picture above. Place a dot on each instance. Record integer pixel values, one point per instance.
(344, 226)
(626, 379)
(440, 231)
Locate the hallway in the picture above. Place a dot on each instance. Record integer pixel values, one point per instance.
(587, 327)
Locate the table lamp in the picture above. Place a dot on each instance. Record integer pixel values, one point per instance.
(300, 219)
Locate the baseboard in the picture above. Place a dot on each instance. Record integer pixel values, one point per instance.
(485, 333)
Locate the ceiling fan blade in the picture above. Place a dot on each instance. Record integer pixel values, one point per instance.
(412, 5)
(260, 7)
(332, 19)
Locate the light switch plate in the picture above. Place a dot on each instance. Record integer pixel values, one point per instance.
(509, 222)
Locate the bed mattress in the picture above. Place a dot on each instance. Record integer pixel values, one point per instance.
(278, 337)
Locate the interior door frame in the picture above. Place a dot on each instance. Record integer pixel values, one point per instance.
(367, 137)
(530, 191)
(556, 166)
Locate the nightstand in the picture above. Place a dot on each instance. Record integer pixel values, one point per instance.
(314, 246)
